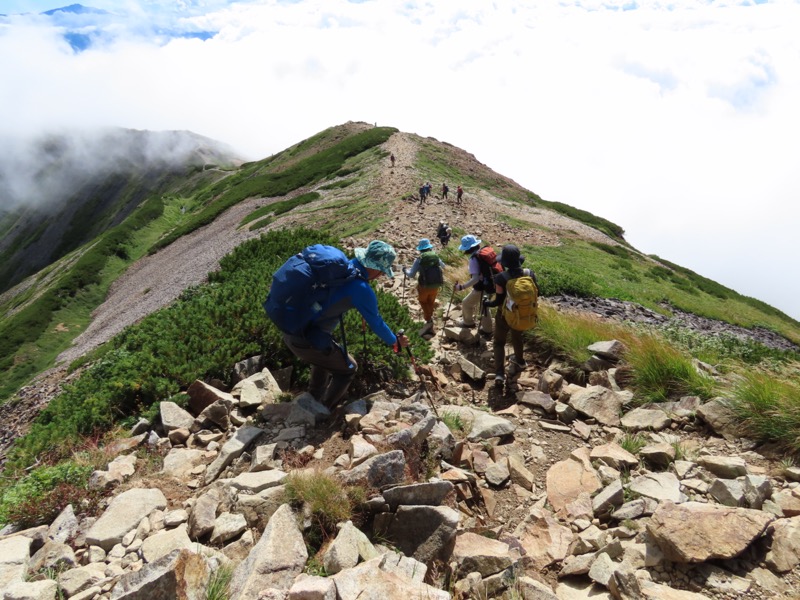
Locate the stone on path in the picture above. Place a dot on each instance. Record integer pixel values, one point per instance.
(694, 532)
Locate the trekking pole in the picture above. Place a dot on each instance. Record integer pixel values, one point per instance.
(364, 331)
(449, 304)
(418, 373)
(403, 300)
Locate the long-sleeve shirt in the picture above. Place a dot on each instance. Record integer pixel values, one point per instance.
(356, 294)
(474, 271)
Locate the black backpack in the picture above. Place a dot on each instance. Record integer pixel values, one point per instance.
(430, 271)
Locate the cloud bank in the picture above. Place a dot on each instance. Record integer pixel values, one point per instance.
(675, 120)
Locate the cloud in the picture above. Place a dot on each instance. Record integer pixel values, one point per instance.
(677, 120)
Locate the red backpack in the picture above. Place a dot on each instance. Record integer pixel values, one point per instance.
(487, 260)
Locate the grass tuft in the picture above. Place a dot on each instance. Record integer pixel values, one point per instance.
(769, 408)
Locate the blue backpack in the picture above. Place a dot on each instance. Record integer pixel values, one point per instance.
(302, 286)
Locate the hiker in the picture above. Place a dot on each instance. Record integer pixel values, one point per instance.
(391, 158)
(445, 189)
(332, 368)
(511, 261)
(422, 192)
(428, 189)
(482, 266)
(443, 233)
(431, 277)
(459, 194)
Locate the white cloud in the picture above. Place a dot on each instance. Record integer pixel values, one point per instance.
(675, 119)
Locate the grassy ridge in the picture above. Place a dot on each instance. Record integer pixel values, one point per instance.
(263, 180)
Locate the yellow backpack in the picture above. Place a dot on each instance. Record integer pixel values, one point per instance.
(521, 310)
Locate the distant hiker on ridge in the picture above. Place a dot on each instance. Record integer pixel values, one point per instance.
(445, 189)
(459, 194)
(391, 158)
(331, 285)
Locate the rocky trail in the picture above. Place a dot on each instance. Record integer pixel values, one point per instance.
(560, 490)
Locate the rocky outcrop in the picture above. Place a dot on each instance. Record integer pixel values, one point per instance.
(541, 499)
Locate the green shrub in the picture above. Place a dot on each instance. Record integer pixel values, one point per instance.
(201, 335)
(41, 495)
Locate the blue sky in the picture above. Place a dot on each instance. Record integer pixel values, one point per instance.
(675, 119)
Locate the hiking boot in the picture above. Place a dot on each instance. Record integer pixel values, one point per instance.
(499, 380)
(427, 328)
(467, 325)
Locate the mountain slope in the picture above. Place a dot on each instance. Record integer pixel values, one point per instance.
(340, 182)
(63, 191)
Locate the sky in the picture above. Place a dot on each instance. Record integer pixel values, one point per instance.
(677, 120)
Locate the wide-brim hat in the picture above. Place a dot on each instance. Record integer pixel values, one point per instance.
(378, 255)
(468, 242)
(424, 244)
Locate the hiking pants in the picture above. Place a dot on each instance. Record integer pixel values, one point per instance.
(331, 371)
(501, 331)
(427, 300)
(469, 306)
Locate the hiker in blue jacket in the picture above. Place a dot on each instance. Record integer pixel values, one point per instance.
(332, 370)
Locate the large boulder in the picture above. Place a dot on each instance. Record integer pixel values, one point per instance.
(693, 532)
(123, 514)
(275, 561)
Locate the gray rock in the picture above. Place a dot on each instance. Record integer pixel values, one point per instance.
(473, 552)
(385, 577)
(232, 449)
(658, 486)
(609, 498)
(614, 456)
(275, 561)
(643, 418)
(258, 481)
(182, 575)
(349, 545)
(431, 493)
(180, 462)
(694, 532)
(53, 555)
(65, 526)
(610, 350)
(226, 527)
(311, 587)
(598, 403)
(123, 514)
(784, 553)
(720, 418)
(174, 417)
(79, 579)
(378, 471)
(728, 467)
(31, 590)
(165, 542)
(729, 492)
(422, 532)
(540, 400)
(204, 513)
(470, 369)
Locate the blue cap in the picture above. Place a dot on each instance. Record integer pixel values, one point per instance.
(468, 242)
(424, 244)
